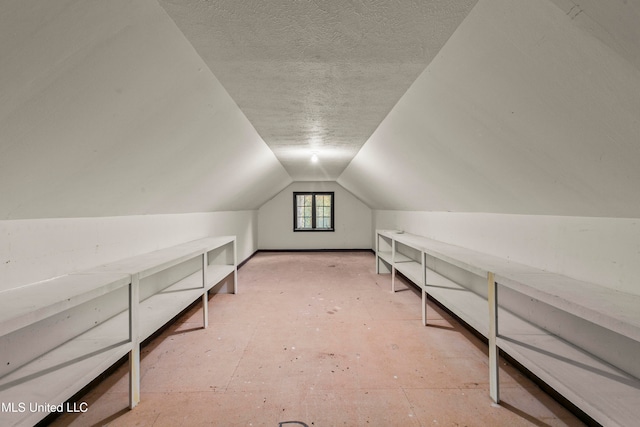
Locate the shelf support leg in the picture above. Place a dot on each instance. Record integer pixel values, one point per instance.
(393, 265)
(377, 252)
(235, 270)
(205, 293)
(134, 337)
(424, 307)
(423, 258)
(494, 366)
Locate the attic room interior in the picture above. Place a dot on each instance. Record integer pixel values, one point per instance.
(363, 212)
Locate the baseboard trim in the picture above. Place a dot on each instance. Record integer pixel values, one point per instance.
(247, 259)
(316, 250)
(301, 250)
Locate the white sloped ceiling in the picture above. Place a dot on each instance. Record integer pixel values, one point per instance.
(317, 76)
(531, 107)
(108, 110)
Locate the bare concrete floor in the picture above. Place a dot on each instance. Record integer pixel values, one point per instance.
(317, 338)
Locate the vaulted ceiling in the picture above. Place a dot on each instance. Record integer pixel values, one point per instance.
(128, 107)
(530, 108)
(317, 75)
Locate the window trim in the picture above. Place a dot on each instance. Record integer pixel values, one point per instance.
(313, 210)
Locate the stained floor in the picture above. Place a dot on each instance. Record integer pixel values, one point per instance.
(317, 339)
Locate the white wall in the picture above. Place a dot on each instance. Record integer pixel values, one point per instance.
(605, 251)
(33, 250)
(352, 221)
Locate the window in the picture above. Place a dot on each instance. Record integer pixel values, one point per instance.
(313, 211)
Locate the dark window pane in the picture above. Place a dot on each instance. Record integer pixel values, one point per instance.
(313, 211)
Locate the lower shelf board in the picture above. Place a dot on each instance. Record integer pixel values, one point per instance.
(216, 273)
(411, 269)
(385, 255)
(160, 308)
(605, 393)
(57, 375)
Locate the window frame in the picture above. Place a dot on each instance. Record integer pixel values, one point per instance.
(313, 195)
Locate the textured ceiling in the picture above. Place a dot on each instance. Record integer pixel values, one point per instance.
(317, 76)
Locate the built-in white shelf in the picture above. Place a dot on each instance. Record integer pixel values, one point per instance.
(609, 308)
(606, 393)
(30, 303)
(411, 269)
(386, 256)
(63, 368)
(54, 376)
(163, 306)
